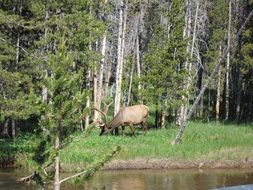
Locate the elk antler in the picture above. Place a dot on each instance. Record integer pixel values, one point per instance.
(101, 113)
(107, 107)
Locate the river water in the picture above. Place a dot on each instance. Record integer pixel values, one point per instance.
(143, 180)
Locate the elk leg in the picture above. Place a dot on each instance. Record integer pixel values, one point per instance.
(132, 128)
(144, 127)
(122, 129)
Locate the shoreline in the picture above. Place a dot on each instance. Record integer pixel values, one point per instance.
(154, 163)
(141, 163)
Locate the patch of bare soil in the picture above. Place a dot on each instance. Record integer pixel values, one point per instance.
(177, 164)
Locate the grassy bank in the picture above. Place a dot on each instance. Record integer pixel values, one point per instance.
(200, 142)
(205, 142)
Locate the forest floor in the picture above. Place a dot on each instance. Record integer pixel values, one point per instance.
(204, 145)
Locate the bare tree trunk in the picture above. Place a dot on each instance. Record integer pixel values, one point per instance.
(17, 51)
(187, 32)
(95, 94)
(13, 128)
(138, 67)
(228, 65)
(218, 95)
(194, 30)
(107, 78)
(101, 72)
(57, 158)
(238, 71)
(164, 113)
(130, 85)
(101, 76)
(44, 88)
(119, 69)
(87, 118)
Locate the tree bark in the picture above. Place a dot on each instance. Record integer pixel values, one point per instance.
(119, 69)
(57, 158)
(13, 128)
(95, 93)
(101, 70)
(187, 64)
(228, 64)
(87, 118)
(138, 64)
(107, 78)
(44, 88)
(130, 85)
(218, 94)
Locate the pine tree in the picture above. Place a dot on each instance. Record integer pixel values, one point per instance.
(164, 61)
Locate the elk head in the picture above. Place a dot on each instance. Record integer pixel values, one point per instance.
(102, 124)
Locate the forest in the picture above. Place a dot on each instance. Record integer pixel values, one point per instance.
(62, 60)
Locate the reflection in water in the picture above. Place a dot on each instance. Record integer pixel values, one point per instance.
(166, 179)
(8, 180)
(145, 180)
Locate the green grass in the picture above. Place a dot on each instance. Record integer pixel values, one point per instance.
(200, 141)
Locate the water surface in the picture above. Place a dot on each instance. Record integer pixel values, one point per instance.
(144, 180)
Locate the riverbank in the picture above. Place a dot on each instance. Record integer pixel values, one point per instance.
(203, 146)
(175, 164)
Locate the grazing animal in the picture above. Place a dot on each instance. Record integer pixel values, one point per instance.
(127, 116)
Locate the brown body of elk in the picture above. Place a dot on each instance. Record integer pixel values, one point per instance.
(127, 116)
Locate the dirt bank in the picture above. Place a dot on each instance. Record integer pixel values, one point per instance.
(177, 164)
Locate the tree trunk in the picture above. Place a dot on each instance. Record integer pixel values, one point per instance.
(57, 158)
(218, 95)
(101, 76)
(101, 70)
(95, 94)
(13, 128)
(164, 113)
(119, 69)
(185, 98)
(17, 51)
(238, 86)
(107, 78)
(156, 115)
(130, 85)
(194, 29)
(87, 118)
(44, 88)
(138, 67)
(228, 65)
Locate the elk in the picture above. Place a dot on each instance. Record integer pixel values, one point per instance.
(127, 116)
